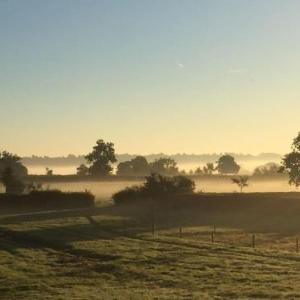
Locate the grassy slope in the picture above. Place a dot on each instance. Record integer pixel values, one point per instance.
(73, 259)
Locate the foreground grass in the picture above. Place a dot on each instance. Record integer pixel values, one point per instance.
(115, 258)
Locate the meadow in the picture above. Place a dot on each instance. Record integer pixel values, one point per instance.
(118, 258)
(216, 244)
(118, 253)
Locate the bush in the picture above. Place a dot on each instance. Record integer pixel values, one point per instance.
(156, 186)
(128, 195)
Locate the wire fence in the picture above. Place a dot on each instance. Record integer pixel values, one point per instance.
(232, 237)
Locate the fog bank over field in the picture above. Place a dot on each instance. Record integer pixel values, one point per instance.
(103, 190)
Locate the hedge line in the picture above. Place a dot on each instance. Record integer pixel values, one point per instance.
(46, 200)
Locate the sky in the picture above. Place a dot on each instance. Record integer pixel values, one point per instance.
(153, 76)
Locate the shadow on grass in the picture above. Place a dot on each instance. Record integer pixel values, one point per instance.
(260, 213)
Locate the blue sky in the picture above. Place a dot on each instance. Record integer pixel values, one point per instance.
(151, 76)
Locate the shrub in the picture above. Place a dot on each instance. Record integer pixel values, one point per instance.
(158, 185)
(33, 186)
(128, 195)
(155, 186)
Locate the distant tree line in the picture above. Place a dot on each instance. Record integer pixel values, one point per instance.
(100, 162)
(71, 159)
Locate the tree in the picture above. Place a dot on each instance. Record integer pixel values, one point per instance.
(12, 161)
(208, 169)
(101, 158)
(291, 163)
(49, 172)
(227, 165)
(12, 183)
(137, 166)
(140, 166)
(269, 169)
(241, 182)
(125, 169)
(12, 172)
(158, 185)
(82, 170)
(164, 166)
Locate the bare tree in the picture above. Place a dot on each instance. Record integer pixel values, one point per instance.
(241, 182)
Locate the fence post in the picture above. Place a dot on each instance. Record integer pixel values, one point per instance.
(253, 240)
(297, 245)
(214, 228)
(153, 227)
(212, 237)
(180, 232)
(153, 220)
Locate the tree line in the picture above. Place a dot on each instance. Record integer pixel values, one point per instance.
(100, 161)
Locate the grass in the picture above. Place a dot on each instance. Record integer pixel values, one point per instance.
(116, 258)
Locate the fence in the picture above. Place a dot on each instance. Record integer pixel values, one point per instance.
(229, 236)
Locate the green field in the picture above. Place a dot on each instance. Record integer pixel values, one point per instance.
(114, 257)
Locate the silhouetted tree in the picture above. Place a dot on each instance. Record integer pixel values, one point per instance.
(125, 168)
(241, 182)
(164, 166)
(291, 163)
(82, 170)
(227, 165)
(49, 172)
(137, 166)
(101, 158)
(12, 183)
(12, 161)
(208, 169)
(140, 166)
(155, 187)
(269, 169)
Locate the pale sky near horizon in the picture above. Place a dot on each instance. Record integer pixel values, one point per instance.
(154, 76)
